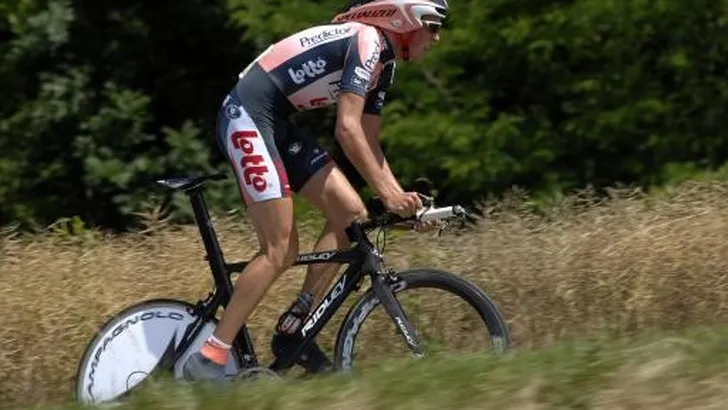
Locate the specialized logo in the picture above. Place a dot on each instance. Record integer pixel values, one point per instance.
(367, 14)
(309, 69)
(324, 36)
(253, 171)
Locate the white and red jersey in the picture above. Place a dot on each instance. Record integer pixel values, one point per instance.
(271, 156)
(311, 67)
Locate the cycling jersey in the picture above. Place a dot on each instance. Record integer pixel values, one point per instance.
(311, 67)
(271, 156)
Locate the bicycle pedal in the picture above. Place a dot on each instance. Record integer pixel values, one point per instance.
(314, 360)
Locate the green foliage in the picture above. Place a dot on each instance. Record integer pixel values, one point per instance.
(98, 102)
(566, 94)
(94, 113)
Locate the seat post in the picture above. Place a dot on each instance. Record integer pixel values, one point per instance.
(212, 246)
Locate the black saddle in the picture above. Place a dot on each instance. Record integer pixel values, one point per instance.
(185, 183)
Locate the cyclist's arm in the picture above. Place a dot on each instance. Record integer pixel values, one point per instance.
(356, 135)
(372, 124)
(362, 147)
(371, 118)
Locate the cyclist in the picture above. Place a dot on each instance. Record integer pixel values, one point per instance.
(350, 63)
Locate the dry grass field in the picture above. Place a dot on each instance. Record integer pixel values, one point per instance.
(582, 266)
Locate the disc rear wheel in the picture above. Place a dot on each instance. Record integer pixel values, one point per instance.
(130, 346)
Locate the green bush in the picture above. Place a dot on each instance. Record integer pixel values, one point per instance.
(545, 95)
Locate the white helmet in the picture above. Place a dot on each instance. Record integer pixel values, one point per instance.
(398, 16)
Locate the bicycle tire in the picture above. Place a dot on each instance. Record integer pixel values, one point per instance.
(416, 279)
(100, 380)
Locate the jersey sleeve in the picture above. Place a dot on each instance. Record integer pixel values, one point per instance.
(361, 58)
(376, 97)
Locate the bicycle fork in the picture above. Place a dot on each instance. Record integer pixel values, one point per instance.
(385, 294)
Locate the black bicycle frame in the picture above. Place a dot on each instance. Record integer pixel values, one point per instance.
(362, 259)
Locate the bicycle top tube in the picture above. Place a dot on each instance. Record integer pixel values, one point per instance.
(357, 233)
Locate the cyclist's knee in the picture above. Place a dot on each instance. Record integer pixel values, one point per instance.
(360, 212)
(339, 234)
(291, 254)
(282, 254)
(355, 211)
(277, 234)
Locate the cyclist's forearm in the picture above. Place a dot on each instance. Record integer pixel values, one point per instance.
(385, 166)
(367, 157)
(371, 124)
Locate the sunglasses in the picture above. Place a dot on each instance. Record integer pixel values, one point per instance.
(432, 27)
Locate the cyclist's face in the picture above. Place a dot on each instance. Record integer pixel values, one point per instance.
(423, 39)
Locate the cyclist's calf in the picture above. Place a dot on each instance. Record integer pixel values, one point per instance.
(277, 235)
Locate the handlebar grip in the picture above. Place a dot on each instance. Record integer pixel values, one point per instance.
(426, 214)
(436, 213)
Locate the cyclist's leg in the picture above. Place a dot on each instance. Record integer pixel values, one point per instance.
(316, 177)
(335, 191)
(273, 222)
(330, 182)
(263, 183)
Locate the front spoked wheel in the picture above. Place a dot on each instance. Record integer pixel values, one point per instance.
(449, 314)
(133, 344)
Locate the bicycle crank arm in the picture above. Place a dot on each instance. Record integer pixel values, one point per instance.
(385, 294)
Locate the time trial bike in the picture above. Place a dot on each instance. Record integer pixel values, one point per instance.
(158, 335)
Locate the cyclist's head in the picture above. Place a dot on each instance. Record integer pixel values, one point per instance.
(414, 24)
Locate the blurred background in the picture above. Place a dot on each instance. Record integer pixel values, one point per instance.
(98, 99)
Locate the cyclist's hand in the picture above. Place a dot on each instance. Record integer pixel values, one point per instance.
(424, 226)
(404, 204)
(420, 226)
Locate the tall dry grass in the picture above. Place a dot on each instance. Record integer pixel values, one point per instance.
(584, 265)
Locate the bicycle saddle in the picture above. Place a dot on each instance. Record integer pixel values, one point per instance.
(185, 183)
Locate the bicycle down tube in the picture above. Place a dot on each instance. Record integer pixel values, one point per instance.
(347, 283)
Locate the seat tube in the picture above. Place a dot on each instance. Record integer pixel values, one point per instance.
(212, 246)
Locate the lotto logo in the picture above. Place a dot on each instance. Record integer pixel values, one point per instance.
(253, 171)
(309, 69)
